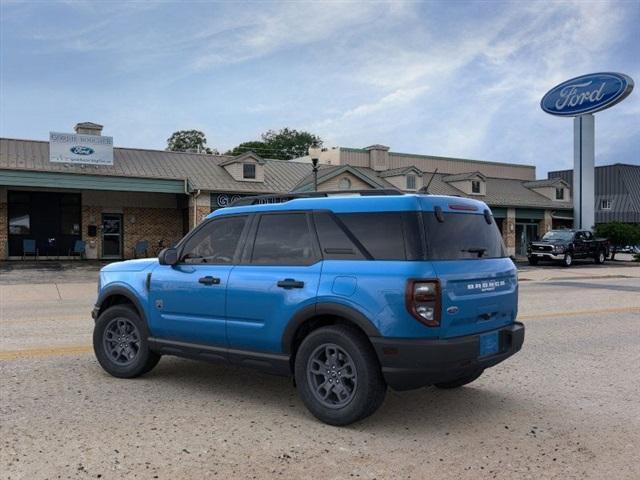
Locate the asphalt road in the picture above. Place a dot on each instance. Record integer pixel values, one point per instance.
(565, 407)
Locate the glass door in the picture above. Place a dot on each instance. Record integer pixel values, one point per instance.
(111, 235)
(525, 233)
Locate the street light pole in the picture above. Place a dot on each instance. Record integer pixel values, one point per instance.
(314, 153)
(314, 162)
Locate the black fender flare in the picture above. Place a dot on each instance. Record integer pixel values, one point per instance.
(112, 290)
(326, 308)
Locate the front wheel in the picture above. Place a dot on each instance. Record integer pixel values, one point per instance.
(338, 375)
(567, 261)
(459, 382)
(120, 343)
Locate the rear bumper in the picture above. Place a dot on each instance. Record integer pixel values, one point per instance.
(415, 363)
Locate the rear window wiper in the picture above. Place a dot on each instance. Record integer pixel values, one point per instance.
(479, 251)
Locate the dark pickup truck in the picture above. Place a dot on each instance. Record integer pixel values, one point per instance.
(566, 245)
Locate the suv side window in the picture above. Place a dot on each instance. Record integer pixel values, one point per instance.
(588, 236)
(214, 243)
(334, 242)
(283, 239)
(380, 233)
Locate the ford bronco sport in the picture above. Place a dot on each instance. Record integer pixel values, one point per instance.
(347, 294)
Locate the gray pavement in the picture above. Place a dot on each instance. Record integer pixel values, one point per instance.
(565, 407)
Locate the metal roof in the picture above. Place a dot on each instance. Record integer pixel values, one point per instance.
(500, 192)
(203, 171)
(547, 182)
(392, 172)
(326, 172)
(619, 184)
(463, 176)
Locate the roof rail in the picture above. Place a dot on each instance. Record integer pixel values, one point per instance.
(285, 197)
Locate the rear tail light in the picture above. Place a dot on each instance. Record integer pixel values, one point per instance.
(423, 301)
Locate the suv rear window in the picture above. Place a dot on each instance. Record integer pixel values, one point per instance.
(462, 236)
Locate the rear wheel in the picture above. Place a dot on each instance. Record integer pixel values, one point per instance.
(338, 375)
(459, 382)
(120, 343)
(567, 261)
(532, 260)
(600, 257)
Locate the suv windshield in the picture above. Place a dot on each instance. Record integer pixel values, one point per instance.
(462, 236)
(558, 235)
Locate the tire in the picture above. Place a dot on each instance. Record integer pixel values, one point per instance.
(131, 358)
(567, 261)
(459, 382)
(600, 257)
(350, 361)
(532, 260)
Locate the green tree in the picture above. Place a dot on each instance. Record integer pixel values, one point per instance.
(188, 141)
(619, 234)
(283, 144)
(257, 147)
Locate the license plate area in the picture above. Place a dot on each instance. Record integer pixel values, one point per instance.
(489, 344)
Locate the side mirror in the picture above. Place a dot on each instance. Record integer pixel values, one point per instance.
(168, 256)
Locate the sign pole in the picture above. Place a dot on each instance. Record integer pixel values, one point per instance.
(579, 98)
(583, 171)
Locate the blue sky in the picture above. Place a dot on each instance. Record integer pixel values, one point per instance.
(461, 79)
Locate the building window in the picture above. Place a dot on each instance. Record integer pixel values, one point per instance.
(345, 184)
(475, 186)
(249, 170)
(411, 182)
(19, 213)
(559, 193)
(605, 204)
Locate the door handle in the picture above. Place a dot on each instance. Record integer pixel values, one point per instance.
(290, 283)
(208, 280)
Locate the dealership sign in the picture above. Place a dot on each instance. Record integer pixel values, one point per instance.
(587, 94)
(85, 149)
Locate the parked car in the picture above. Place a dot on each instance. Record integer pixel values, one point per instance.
(629, 249)
(564, 246)
(346, 294)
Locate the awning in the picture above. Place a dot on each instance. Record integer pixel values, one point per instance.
(30, 178)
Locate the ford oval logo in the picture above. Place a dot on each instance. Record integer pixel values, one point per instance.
(587, 94)
(452, 310)
(79, 150)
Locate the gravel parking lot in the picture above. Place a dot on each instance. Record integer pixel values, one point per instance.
(565, 407)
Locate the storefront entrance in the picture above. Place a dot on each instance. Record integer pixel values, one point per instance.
(111, 235)
(51, 219)
(525, 233)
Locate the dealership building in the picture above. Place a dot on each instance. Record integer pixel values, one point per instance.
(113, 199)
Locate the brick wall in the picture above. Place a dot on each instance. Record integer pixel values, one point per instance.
(152, 225)
(545, 224)
(91, 215)
(509, 231)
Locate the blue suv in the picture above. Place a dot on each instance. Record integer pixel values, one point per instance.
(348, 294)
